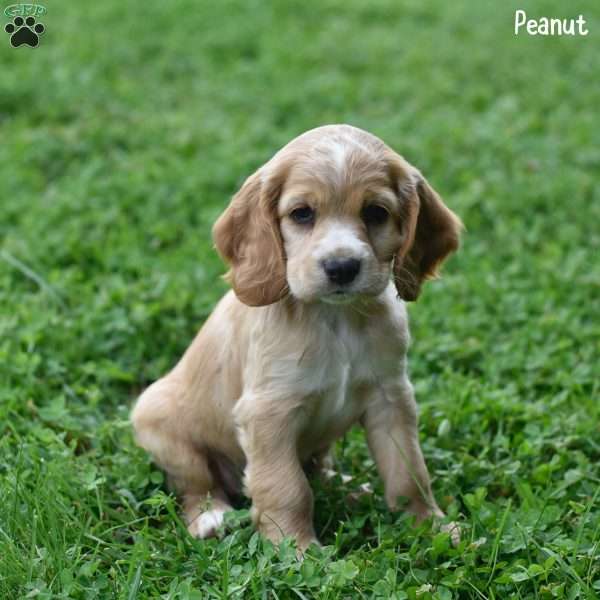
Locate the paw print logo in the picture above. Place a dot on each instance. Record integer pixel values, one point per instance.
(24, 31)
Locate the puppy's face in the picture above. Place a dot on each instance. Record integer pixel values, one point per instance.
(341, 223)
(330, 218)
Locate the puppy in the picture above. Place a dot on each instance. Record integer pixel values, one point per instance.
(324, 243)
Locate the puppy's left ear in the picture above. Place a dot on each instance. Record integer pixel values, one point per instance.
(433, 232)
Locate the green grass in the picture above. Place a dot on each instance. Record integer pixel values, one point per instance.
(122, 138)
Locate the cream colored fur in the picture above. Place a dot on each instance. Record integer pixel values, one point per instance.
(288, 360)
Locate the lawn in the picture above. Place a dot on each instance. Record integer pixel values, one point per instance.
(123, 136)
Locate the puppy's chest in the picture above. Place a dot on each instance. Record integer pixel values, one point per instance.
(342, 365)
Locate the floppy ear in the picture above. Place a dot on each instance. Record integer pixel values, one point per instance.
(247, 236)
(433, 232)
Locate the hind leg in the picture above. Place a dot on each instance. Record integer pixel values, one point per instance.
(160, 429)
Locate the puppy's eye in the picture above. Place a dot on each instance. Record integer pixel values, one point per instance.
(374, 214)
(303, 215)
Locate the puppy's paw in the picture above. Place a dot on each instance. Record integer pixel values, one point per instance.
(452, 528)
(207, 524)
(426, 511)
(303, 544)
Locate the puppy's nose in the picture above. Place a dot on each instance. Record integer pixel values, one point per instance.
(341, 270)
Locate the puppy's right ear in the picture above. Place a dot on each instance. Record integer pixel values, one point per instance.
(248, 238)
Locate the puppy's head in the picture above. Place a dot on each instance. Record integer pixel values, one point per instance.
(331, 217)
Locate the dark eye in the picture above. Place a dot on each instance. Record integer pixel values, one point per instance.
(303, 215)
(375, 214)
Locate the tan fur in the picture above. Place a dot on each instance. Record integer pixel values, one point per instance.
(287, 363)
(247, 237)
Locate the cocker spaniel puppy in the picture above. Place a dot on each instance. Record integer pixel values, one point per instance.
(325, 242)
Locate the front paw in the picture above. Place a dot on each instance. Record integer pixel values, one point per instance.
(304, 543)
(426, 512)
(276, 528)
(452, 528)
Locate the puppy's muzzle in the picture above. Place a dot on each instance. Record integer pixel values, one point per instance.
(341, 271)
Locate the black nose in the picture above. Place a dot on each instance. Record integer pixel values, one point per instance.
(341, 270)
